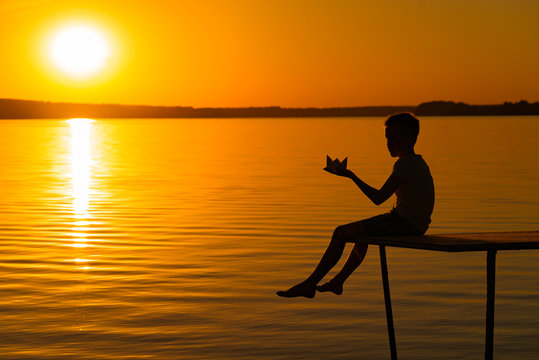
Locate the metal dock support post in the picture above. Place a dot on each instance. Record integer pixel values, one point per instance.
(491, 242)
(387, 297)
(491, 290)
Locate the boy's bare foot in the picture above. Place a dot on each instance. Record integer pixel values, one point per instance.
(333, 286)
(301, 289)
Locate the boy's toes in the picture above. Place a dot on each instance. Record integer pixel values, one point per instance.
(331, 286)
(298, 290)
(323, 288)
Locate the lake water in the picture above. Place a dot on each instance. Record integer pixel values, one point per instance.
(167, 239)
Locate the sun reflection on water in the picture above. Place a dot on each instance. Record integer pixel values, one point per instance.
(81, 177)
(81, 162)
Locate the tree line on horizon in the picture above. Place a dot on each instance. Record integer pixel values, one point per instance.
(30, 109)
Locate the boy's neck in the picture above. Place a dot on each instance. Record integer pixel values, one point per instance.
(406, 153)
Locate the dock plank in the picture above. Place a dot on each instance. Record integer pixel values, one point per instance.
(511, 240)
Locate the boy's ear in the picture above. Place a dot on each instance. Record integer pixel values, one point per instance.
(411, 138)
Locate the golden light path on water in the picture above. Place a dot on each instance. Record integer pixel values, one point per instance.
(81, 177)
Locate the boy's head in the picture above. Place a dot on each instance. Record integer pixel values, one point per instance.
(401, 133)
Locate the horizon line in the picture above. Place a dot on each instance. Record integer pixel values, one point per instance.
(265, 106)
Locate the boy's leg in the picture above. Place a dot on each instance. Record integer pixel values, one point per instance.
(341, 236)
(356, 257)
(389, 224)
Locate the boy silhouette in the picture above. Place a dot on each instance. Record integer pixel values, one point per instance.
(410, 180)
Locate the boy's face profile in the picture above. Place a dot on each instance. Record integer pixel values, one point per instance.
(399, 141)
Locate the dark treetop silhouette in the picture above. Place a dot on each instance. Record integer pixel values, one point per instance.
(28, 109)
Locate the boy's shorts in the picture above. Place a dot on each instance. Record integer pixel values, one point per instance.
(389, 224)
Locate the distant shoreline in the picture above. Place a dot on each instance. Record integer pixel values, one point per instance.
(30, 109)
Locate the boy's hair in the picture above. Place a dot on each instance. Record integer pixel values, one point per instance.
(406, 121)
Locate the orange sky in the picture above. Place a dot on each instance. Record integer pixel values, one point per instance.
(280, 52)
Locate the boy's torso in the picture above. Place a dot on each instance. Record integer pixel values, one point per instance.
(415, 195)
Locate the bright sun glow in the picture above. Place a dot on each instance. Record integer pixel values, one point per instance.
(79, 50)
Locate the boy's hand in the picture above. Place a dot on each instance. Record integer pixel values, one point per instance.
(345, 173)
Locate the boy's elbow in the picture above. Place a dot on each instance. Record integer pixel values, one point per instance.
(379, 199)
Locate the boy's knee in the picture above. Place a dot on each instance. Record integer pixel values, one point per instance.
(339, 232)
(360, 249)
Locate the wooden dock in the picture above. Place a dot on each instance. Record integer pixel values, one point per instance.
(489, 242)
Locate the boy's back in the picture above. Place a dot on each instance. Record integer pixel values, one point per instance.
(415, 195)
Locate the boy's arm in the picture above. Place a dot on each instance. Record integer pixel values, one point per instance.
(375, 195)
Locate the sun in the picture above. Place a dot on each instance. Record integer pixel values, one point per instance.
(79, 50)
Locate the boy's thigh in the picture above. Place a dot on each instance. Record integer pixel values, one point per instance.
(352, 230)
(389, 224)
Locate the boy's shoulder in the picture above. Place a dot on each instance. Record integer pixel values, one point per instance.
(409, 160)
(410, 164)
